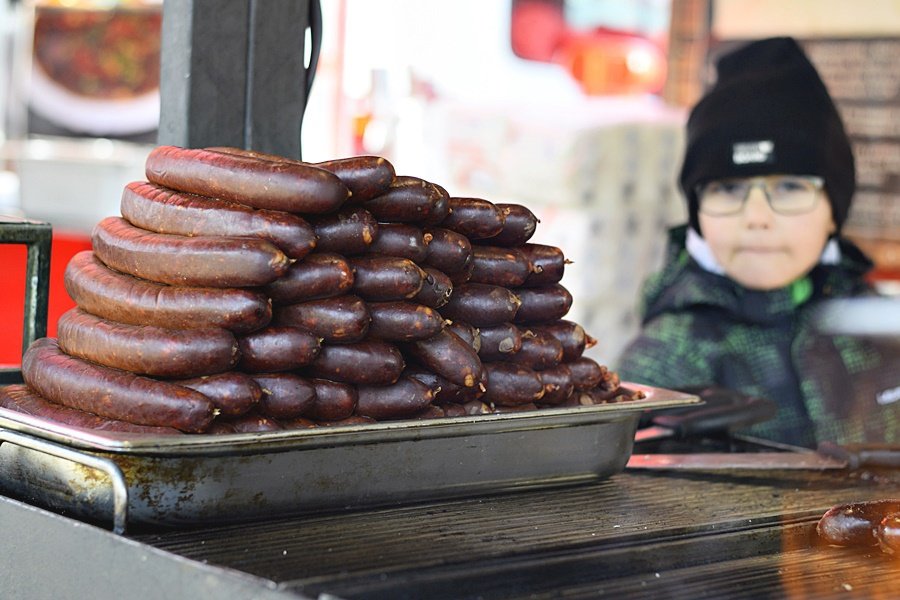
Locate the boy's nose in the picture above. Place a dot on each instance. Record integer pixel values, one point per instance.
(757, 211)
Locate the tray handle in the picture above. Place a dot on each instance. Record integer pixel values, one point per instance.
(107, 466)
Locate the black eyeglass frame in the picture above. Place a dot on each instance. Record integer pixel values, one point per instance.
(761, 181)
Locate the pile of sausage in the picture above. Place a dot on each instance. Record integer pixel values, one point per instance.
(242, 292)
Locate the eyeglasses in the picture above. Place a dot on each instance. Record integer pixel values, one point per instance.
(786, 194)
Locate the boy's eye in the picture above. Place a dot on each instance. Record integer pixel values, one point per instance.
(790, 186)
(729, 188)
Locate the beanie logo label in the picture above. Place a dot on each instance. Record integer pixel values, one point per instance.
(759, 153)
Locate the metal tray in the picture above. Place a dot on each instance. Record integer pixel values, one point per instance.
(171, 481)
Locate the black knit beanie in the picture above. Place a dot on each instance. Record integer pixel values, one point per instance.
(768, 113)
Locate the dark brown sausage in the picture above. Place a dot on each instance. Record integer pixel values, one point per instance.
(481, 304)
(429, 412)
(454, 410)
(539, 351)
(450, 356)
(856, 523)
(366, 363)
(106, 293)
(339, 319)
(436, 289)
(334, 401)
(509, 384)
(558, 385)
(286, 186)
(448, 251)
(348, 422)
(474, 218)
(350, 231)
(24, 400)
(409, 200)
(208, 261)
(540, 305)
(365, 176)
(502, 409)
(586, 373)
(469, 333)
(284, 395)
(403, 321)
(402, 399)
(144, 349)
(277, 348)
(445, 391)
(476, 407)
(441, 207)
(253, 422)
(519, 224)
(162, 210)
(112, 393)
(400, 240)
(232, 393)
(319, 275)
(888, 534)
(499, 342)
(461, 277)
(499, 266)
(384, 278)
(571, 335)
(548, 264)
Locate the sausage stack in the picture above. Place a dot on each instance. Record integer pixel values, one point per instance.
(241, 292)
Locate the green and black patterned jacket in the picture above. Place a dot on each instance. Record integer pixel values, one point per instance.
(702, 329)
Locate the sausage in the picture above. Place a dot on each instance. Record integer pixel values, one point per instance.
(502, 409)
(548, 264)
(539, 351)
(384, 278)
(118, 297)
(287, 186)
(339, 319)
(365, 176)
(253, 422)
(180, 260)
(232, 393)
(369, 362)
(474, 218)
(400, 240)
(436, 289)
(544, 304)
(350, 231)
(856, 523)
(409, 200)
(469, 333)
(145, 349)
(448, 251)
(220, 427)
(158, 209)
(319, 275)
(519, 224)
(112, 393)
(334, 401)
(429, 412)
(404, 398)
(461, 277)
(888, 534)
(586, 373)
(277, 348)
(297, 423)
(571, 335)
(284, 395)
(445, 391)
(510, 384)
(482, 305)
(558, 385)
(450, 356)
(499, 266)
(499, 342)
(22, 399)
(349, 421)
(403, 321)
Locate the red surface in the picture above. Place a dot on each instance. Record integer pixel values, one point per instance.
(12, 290)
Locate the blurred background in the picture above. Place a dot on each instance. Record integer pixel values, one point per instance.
(574, 108)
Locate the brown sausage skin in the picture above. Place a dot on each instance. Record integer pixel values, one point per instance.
(558, 385)
(400, 240)
(519, 224)
(403, 321)
(509, 384)
(319, 275)
(334, 401)
(571, 335)
(101, 291)
(448, 251)
(232, 393)
(112, 393)
(587, 373)
(482, 305)
(350, 231)
(22, 399)
(161, 210)
(385, 278)
(180, 260)
(499, 342)
(340, 319)
(284, 395)
(467, 332)
(436, 289)
(888, 534)
(366, 363)
(404, 398)
(450, 356)
(287, 186)
(475, 218)
(365, 176)
(499, 266)
(540, 305)
(539, 351)
(144, 349)
(548, 264)
(252, 422)
(445, 391)
(855, 524)
(277, 348)
(408, 200)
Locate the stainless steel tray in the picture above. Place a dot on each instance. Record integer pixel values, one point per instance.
(133, 479)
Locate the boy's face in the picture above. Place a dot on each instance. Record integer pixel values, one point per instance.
(765, 250)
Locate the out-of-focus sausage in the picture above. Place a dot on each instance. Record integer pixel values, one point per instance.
(856, 523)
(252, 422)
